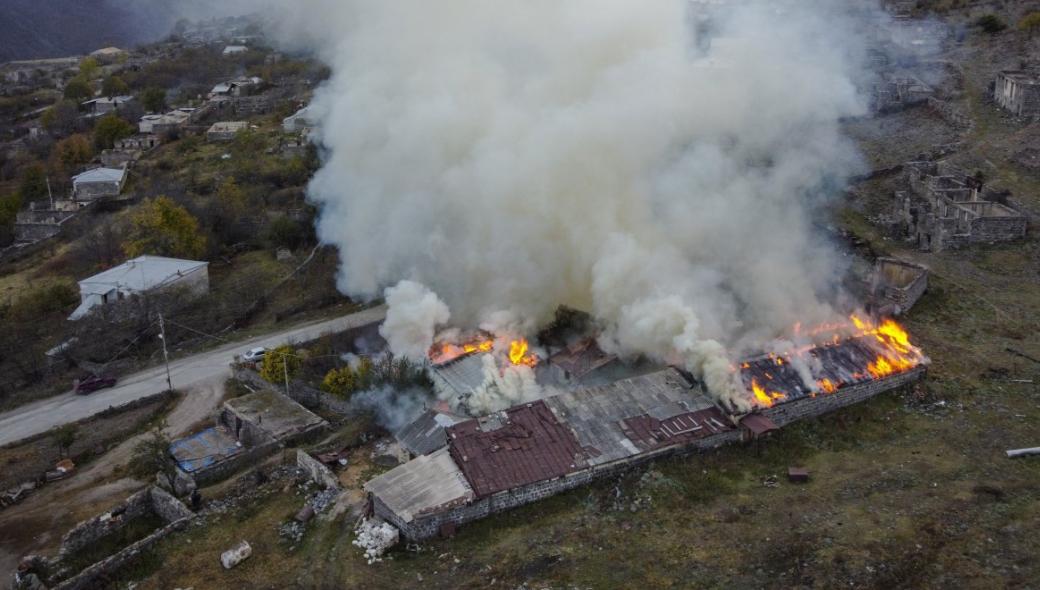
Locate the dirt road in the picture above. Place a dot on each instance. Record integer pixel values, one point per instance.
(186, 373)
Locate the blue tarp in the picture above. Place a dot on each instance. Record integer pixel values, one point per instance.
(203, 449)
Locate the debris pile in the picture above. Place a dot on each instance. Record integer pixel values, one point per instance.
(375, 537)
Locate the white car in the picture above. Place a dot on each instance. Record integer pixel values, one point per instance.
(254, 354)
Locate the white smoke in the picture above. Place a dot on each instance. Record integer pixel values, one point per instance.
(516, 156)
(412, 317)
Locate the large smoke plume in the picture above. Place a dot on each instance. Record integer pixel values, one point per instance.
(614, 156)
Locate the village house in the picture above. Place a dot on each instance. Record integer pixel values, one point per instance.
(238, 87)
(945, 208)
(167, 122)
(234, 49)
(225, 130)
(1018, 91)
(141, 141)
(109, 55)
(98, 107)
(144, 274)
(98, 183)
(299, 121)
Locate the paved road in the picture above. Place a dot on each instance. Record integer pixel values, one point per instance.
(43, 415)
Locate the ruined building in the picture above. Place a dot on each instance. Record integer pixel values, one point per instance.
(1019, 92)
(894, 92)
(538, 449)
(945, 208)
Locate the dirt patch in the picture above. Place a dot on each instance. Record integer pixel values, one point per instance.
(28, 461)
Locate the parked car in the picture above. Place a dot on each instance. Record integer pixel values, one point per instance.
(92, 383)
(254, 355)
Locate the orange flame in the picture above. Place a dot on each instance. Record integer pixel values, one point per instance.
(518, 353)
(827, 386)
(765, 398)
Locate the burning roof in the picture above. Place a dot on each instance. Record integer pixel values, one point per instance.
(875, 351)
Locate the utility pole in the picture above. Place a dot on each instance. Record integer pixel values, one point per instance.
(49, 193)
(285, 369)
(166, 356)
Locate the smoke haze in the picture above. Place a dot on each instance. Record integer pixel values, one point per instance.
(505, 158)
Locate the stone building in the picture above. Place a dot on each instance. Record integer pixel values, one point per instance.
(98, 183)
(897, 285)
(225, 130)
(141, 275)
(535, 450)
(895, 92)
(1018, 91)
(944, 208)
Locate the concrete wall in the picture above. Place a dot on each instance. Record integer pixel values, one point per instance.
(89, 191)
(315, 470)
(998, 229)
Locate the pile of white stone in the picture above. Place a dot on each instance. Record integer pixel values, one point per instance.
(375, 537)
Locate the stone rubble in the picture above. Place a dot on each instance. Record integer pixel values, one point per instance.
(375, 537)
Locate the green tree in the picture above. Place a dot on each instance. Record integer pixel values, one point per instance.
(1030, 23)
(346, 381)
(114, 86)
(33, 185)
(163, 228)
(61, 118)
(65, 436)
(152, 456)
(285, 233)
(153, 99)
(231, 196)
(9, 206)
(110, 129)
(89, 68)
(70, 153)
(279, 362)
(78, 89)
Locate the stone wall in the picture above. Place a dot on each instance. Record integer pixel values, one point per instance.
(425, 527)
(811, 407)
(90, 531)
(224, 469)
(998, 229)
(93, 576)
(168, 508)
(315, 470)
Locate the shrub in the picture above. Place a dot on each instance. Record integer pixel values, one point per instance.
(990, 23)
(278, 363)
(1030, 22)
(346, 381)
(109, 130)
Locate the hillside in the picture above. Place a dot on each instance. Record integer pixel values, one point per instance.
(56, 28)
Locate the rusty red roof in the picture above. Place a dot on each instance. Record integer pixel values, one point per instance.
(519, 446)
(758, 424)
(650, 433)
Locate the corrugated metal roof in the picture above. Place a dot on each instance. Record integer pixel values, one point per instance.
(597, 414)
(519, 446)
(426, 433)
(100, 175)
(140, 274)
(462, 376)
(425, 484)
(843, 364)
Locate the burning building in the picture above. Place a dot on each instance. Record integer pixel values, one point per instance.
(537, 449)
